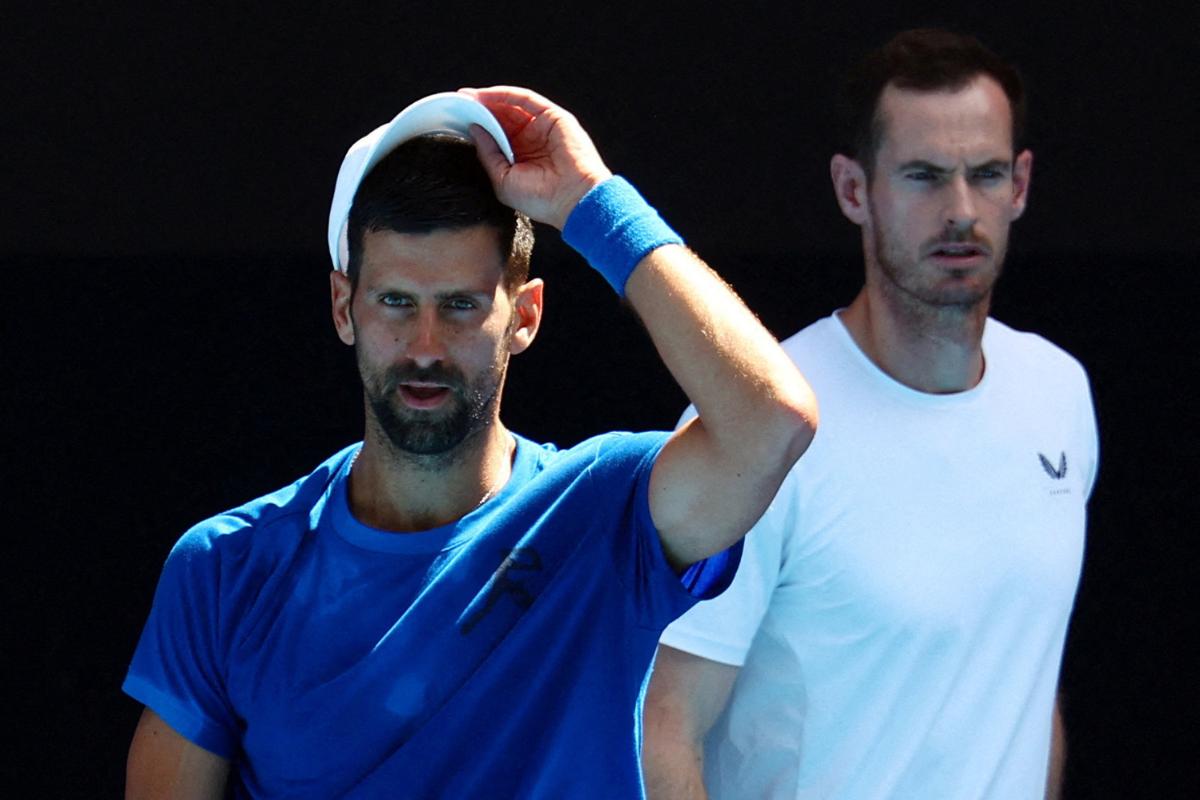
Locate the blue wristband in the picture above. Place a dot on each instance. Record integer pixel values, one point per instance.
(613, 227)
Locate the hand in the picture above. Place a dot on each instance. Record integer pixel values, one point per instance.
(556, 162)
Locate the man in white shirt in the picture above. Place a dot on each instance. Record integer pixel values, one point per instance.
(896, 627)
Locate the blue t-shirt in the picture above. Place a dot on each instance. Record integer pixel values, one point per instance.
(503, 655)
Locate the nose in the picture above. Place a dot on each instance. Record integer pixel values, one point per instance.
(961, 214)
(426, 345)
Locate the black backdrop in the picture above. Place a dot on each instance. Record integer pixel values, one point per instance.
(166, 173)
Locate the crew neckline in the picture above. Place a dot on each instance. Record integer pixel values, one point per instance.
(905, 393)
(356, 533)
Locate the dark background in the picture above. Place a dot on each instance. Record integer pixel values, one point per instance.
(168, 353)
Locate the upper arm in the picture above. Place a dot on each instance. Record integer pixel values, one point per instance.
(686, 695)
(163, 765)
(702, 499)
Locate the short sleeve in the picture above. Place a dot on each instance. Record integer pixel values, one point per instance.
(175, 668)
(620, 477)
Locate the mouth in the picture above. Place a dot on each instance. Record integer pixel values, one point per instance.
(958, 253)
(422, 395)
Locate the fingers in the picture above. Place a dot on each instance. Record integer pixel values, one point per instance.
(524, 114)
(490, 154)
(527, 100)
(556, 162)
(513, 120)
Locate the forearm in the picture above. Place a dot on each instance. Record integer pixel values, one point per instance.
(685, 697)
(672, 771)
(756, 412)
(744, 387)
(162, 765)
(1058, 755)
(753, 402)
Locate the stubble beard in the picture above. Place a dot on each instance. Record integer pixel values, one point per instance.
(436, 435)
(926, 304)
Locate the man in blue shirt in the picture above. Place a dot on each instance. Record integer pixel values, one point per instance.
(448, 609)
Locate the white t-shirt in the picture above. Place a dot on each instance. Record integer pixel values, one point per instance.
(901, 607)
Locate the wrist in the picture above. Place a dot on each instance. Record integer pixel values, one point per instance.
(614, 228)
(586, 184)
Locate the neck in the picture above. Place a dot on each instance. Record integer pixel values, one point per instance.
(396, 491)
(931, 349)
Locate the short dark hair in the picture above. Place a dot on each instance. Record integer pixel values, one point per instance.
(924, 59)
(433, 183)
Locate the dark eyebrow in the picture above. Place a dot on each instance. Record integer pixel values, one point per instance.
(997, 164)
(481, 295)
(924, 166)
(384, 288)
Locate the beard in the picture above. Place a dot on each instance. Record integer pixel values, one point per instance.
(903, 273)
(469, 408)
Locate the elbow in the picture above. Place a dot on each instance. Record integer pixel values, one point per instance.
(799, 416)
(767, 431)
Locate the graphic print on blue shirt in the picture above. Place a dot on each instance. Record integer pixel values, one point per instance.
(503, 582)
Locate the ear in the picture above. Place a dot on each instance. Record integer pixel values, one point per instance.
(850, 187)
(1022, 175)
(340, 293)
(527, 315)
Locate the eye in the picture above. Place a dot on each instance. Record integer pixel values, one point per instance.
(460, 304)
(987, 174)
(392, 300)
(921, 175)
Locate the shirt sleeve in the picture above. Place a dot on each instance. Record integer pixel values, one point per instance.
(711, 576)
(657, 592)
(175, 669)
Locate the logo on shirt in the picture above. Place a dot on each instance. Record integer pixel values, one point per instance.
(504, 582)
(1059, 473)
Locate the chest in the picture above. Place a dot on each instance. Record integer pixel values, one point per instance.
(935, 519)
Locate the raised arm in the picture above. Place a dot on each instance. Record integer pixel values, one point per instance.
(757, 414)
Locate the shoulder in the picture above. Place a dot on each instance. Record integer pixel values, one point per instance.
(618, 447)
(831, 362)
(594, 465)
(1030, 354)
(263, 524)
(814, 338)
(825, 352)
